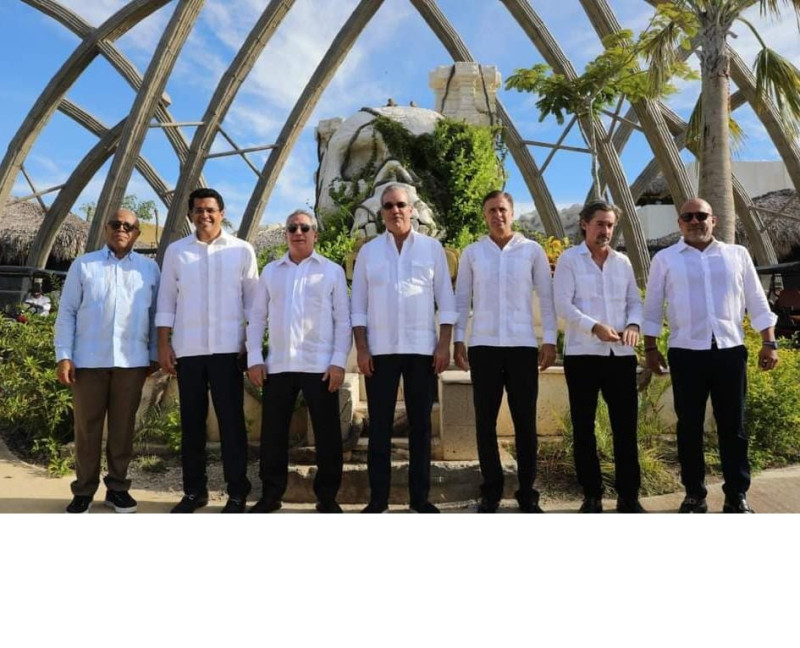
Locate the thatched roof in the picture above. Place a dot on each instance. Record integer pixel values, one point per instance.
(19, 223)
(783, 232)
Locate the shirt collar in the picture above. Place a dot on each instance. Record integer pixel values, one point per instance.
(584, 249)
(223, 239)
(683, 246)
(286, 260)
(110, 255)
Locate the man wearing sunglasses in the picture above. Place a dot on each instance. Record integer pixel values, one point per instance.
(707, 285)
(399, 279)
(497, 277)
(303, 299)
(207, 284)
(105, 341)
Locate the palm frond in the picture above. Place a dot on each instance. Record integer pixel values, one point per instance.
(777, 79)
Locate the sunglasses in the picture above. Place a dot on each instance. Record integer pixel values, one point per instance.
(390, 205)
(305, 228)
(700, 216)
(119, 225)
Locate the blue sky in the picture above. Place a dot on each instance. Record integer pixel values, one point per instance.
(392, 58)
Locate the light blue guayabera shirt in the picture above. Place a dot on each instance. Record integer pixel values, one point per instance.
(106, 315)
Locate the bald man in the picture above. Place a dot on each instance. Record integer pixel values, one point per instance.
(105, 343)
(707, 285)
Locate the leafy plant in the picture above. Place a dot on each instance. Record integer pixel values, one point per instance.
(161, 424)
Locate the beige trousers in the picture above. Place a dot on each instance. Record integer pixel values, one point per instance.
(97, 393)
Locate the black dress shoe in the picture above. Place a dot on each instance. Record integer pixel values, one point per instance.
(424, 507)
(736, 505)
(235, 505)
(328, 507)
(692, 504)
(487, 506)
(80, 504)
(265, 506)
(629, 505)
(190, 503)
(530, 507)
(373, 507)
(591, 505)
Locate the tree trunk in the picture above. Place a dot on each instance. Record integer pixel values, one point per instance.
(716, 185)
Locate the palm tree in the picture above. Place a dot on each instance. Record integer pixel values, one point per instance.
(707, 25)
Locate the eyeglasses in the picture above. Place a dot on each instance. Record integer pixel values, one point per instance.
(199, 211)
(700, 216)
(120, 225)
(390, 205)
(305, 228)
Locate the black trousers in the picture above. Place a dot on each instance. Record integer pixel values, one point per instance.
(722, 374)
(220, 374)
(515, 369)
(615, 377)
(279, 396)
(419, 383)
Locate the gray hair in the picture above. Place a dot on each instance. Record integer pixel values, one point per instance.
(303, 212)
(395, 187)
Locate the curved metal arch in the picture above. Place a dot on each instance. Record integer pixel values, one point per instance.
(142, 111)
(119, 62)
(302, 111)
(542, 198)
(73, 67)
(218, 107)
(609, 161)
(86, 169)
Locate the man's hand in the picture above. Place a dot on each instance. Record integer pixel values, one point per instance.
(441, 356)
(767, 359)
(335, 377)
(154, 366)
(547, 356)
(166, 358)
(655, 362)
(630, 336)
(65, 371)
(460, 356)
(364, 361)
(605, 333)
(257, 374)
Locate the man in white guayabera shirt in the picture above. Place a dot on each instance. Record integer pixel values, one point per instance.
(707, 285)
(303, 299)
(497, 277)
(596, 295)
(398, 278)
(105, 343)
(207, 283)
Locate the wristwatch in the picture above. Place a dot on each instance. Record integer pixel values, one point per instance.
(770, 344)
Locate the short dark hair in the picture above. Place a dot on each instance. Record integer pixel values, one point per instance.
(591, 208)
(498, 193)
(206, 192)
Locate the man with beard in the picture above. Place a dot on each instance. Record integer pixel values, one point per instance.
(707, 286)
(596, 295)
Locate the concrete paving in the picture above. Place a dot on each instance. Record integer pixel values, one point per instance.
(25, 488)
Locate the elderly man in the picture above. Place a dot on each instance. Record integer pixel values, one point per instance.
(304, 298)
(497, 277)
(707, 286)
(596, 295)
(398, 280)
(105, 342)
(207, 283)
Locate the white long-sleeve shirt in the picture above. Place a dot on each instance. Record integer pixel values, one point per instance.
(307, 310)
(706, 293)
(393, 294)
(585, 295)
(206, 290)
(499, 284)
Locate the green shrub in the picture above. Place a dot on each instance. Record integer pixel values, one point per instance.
(160, 425)
(35, 409)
